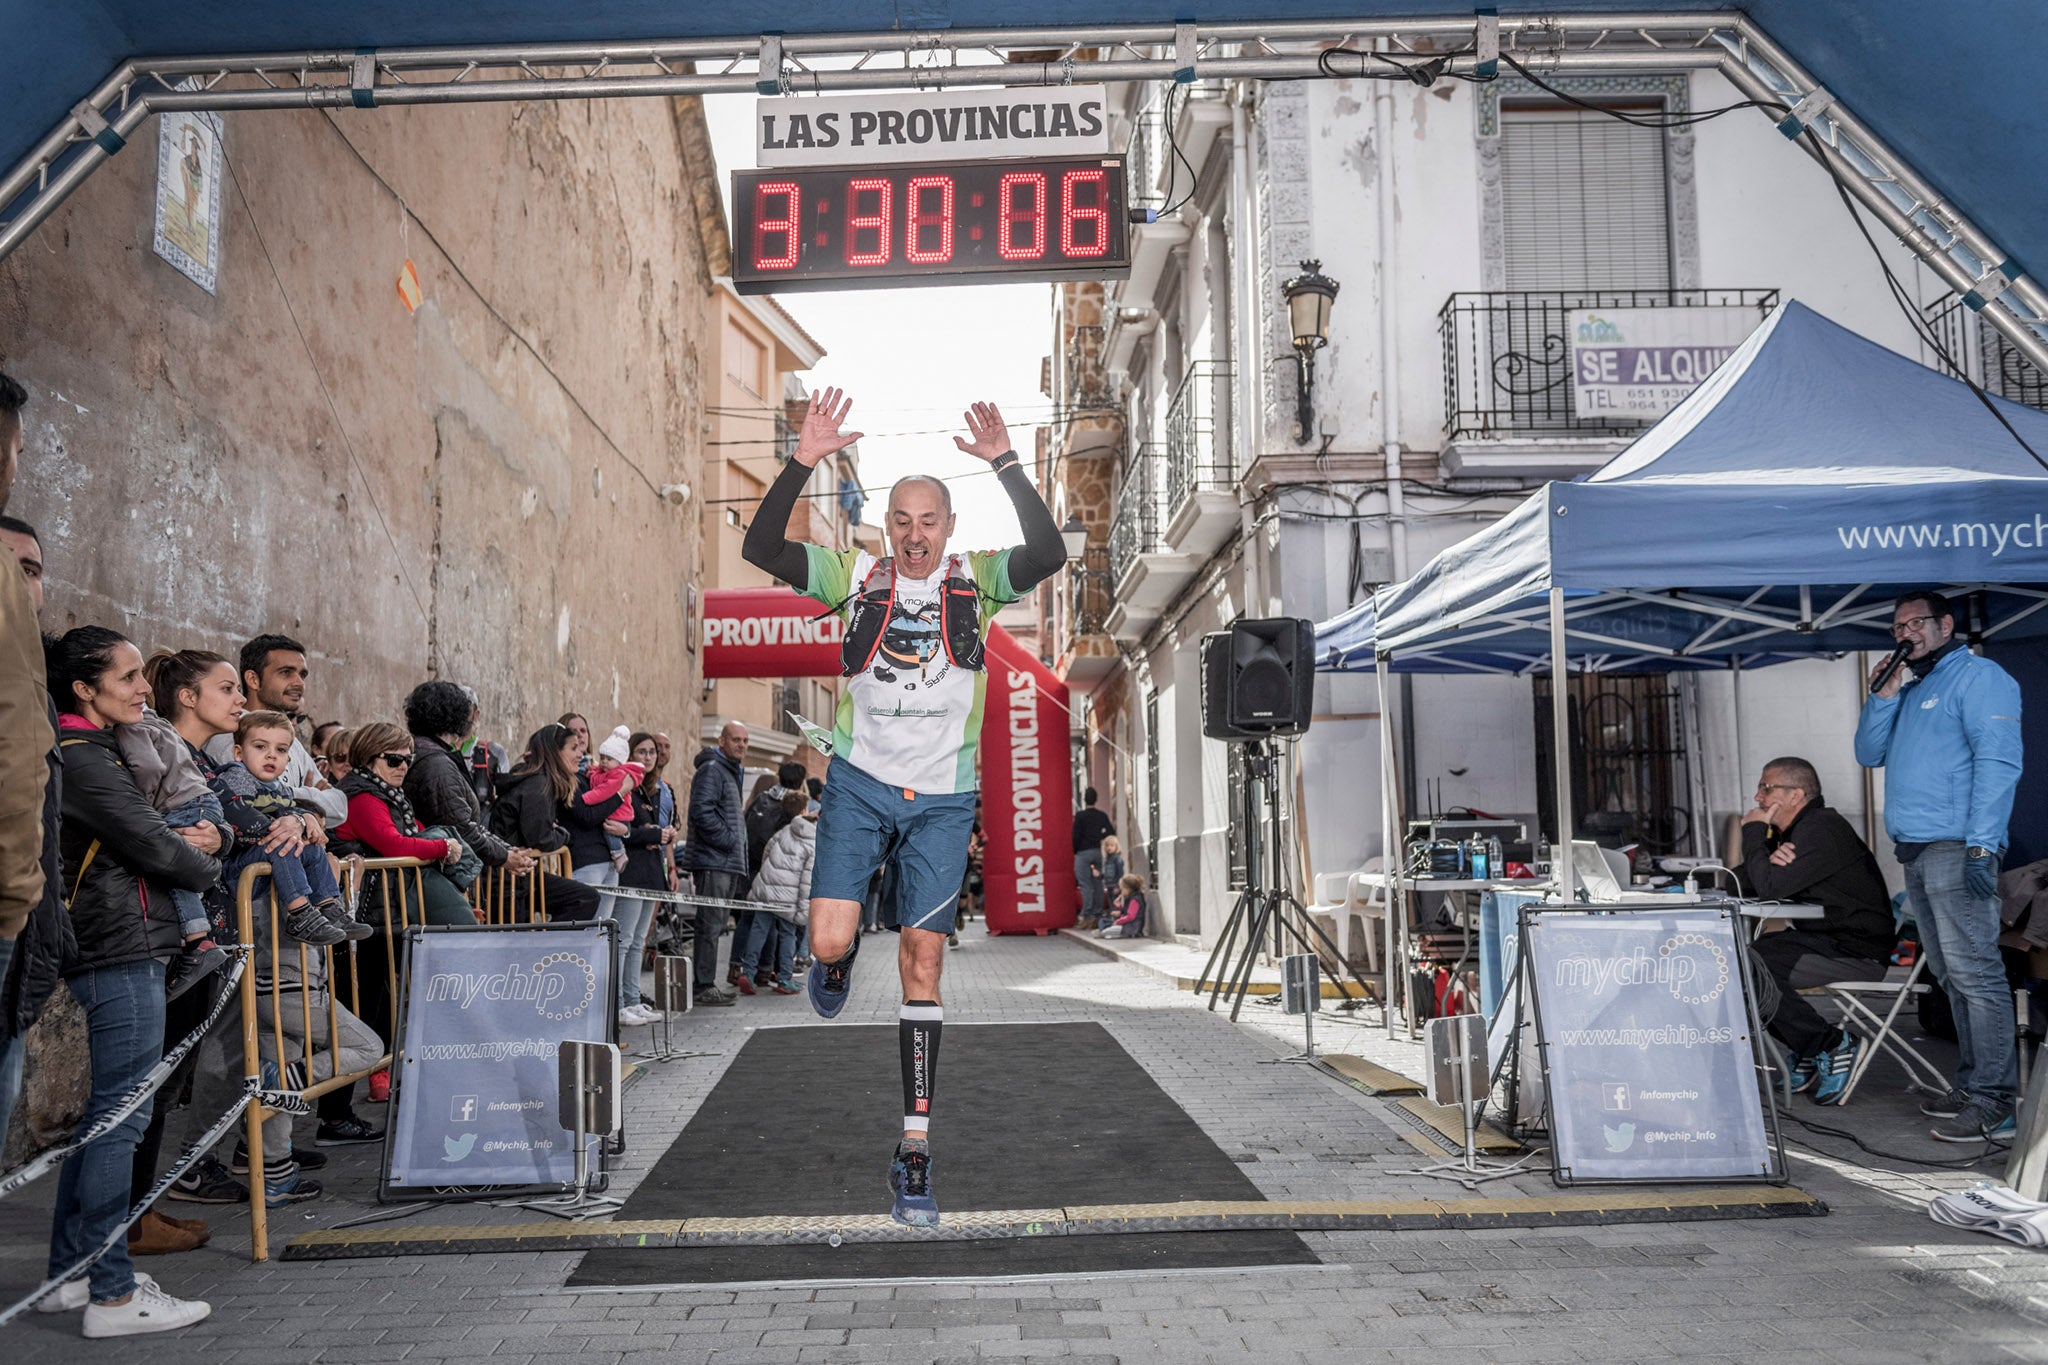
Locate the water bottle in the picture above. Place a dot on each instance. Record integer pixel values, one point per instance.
(1481, 868)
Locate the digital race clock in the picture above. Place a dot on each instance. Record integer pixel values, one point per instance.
(866, 227)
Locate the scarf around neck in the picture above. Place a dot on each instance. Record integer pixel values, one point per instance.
(360, 782)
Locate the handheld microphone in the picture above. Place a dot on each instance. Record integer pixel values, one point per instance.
(1891, 665)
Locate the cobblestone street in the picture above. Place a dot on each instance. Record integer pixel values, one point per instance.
(1875, 1280)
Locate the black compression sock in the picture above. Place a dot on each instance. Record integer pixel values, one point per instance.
(917, 1034)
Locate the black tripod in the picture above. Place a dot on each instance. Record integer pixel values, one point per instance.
(1259, 907)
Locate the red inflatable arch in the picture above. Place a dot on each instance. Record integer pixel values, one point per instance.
(1026, 766)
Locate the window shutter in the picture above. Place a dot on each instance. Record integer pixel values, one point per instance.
(1583, 201)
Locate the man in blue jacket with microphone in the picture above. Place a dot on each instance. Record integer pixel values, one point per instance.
(1949, 742)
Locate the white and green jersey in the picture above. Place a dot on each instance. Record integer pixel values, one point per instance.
(912, 718)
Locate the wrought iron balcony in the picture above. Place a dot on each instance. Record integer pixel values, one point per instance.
(1983, 355)
(1198, 448)
(1507, 355)
(1139, 522)
(1145, 165)
(1088, 593)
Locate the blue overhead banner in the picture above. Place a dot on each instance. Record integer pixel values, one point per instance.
(486, 1011)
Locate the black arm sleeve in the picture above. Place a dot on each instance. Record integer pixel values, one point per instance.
(1042, 552)
(768, 546)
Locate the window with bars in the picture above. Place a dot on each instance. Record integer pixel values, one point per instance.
(1584, 200)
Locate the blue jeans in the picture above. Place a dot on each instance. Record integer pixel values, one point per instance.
(770, 938)
(1088, 872)
(191, 907)
(124, 1020)
(1960, 934)
(599, 874)
(307, 874)
(635, 918)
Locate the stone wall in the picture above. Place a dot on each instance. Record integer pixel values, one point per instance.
(467, 491)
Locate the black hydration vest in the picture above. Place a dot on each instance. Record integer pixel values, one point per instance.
(875, 599)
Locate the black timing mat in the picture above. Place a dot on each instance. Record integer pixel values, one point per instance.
(805, 1120)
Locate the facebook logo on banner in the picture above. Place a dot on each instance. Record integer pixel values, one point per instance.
(462, 1109)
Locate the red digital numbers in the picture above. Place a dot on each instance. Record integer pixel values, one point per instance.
(928, 234)
(1020, 199)
(1073, 214)
(879, 222)
(873, 226)
(767, 222)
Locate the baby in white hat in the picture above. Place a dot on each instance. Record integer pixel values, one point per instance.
(615, 774)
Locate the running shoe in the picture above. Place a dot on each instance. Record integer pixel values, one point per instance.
(308, 1159)
(910, 1177)
(1805, 1071)
(785, 986)
(195, 962)
(1947, 1107)
(745, 983)
(830, 982)
(1834, 1067)
(1976, 1123)
(289, 1188)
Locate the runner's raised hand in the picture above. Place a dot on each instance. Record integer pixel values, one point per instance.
(985, 425)
(821, 435)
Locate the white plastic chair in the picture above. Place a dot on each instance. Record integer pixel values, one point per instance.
(1860, 1002)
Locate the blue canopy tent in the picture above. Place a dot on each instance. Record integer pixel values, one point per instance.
(1772, 515)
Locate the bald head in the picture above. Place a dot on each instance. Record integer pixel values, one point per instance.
(732, 741)
(920, 521)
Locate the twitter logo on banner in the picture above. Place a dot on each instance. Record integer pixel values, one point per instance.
(458, 1149)
(1620, 1137)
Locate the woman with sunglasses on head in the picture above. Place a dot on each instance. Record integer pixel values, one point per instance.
(525, 815)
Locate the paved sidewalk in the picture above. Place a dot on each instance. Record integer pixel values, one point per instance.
(1875, 1281)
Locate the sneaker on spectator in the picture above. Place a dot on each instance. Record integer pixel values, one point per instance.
(195, 962)
(712, 995)
(73, 1295)
(1947, 1107)
(744, 983)
(347, 1132)
(308, 1160)
(732, 974)
(290, 1188)
(910, 1178)
(380, 1085)
(1834, 1067)
(148, 1309)
(802, 963)
(208, 1182)
(308, 925)
(637, 1016)
(1805, 1071)
(1976, 1123)
(829, 982)
(786, 986)
(338, 916)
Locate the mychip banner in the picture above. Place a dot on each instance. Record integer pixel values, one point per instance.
(1649, 1061)
(475, 1089)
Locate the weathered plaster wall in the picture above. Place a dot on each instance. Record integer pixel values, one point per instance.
(465, 492)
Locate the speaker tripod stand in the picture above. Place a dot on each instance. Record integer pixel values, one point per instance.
(1261, 909)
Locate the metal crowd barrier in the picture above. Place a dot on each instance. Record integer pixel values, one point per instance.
(392, 893)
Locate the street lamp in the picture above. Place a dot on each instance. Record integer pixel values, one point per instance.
(1309, 296)
(1075, 536)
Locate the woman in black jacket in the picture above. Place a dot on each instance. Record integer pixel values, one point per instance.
(524, 815)
(120, 862)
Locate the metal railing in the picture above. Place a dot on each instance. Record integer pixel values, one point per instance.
(1139, 521)
(1089, 596)
(1507, 354)
(1984, 355)
(299, 1029)
(1146, 159)
(1198, 448)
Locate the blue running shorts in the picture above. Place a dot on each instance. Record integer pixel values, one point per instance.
(862, 824)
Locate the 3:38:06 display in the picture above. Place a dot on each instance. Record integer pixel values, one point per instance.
(853, 227)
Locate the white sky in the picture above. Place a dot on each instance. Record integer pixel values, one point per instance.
(913, 359)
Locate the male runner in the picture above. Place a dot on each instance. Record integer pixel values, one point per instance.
(901, 783)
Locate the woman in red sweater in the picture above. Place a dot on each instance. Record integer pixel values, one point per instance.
(380, 824)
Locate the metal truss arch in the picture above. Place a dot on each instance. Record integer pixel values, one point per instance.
(1981, 271)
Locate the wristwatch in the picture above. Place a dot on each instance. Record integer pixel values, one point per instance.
(1975, 852)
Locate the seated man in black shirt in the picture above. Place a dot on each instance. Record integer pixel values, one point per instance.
(1795, 847)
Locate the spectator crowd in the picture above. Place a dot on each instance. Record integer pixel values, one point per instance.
(140, 789)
